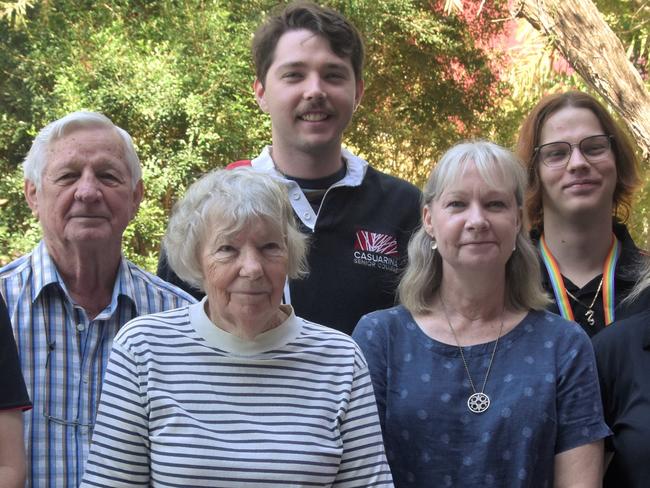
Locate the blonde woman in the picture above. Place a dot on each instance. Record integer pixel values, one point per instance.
(476, 384)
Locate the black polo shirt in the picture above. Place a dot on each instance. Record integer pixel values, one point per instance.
(623, 356)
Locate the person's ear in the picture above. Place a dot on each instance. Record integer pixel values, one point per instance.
(31, 195)
(427, 223)
(138, 195)
(358, 94)
(260, 92)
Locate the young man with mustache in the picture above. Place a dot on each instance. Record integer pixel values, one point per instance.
(309, 64)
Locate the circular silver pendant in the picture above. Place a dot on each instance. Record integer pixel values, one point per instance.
(478, 402)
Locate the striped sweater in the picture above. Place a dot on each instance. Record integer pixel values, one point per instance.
(184, 403)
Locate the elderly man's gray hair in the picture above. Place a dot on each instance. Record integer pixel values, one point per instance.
(36, 160)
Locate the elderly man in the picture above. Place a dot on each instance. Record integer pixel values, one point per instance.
(70, 295)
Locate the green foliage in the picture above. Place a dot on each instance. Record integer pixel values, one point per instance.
(630, 19)
(428, 82)
(177, 77)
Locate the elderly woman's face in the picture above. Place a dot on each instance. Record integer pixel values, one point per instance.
(244, 276)
(475, 224)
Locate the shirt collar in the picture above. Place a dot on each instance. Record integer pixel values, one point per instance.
(628, 264)
(123, 287)
(627, 268)
(356, 167)
(44, 271)
(45, 274)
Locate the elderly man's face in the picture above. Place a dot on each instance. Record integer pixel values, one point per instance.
(86, 194)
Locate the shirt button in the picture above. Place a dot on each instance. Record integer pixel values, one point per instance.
(85, 379)
(307, 216)
(296, 196)
(81, 327)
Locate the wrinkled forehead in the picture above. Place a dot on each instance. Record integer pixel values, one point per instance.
(87, 141)
(221, 224)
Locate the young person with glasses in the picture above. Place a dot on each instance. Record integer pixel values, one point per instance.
(582, 173)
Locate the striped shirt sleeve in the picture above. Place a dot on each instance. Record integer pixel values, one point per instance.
(182, 408)
(119, 455)
(363, 463)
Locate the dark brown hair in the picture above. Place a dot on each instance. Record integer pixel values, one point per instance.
(627, 166)
(344, 39)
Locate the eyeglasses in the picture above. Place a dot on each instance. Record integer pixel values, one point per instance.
(46, 396)
(70, 423)
(595, 149)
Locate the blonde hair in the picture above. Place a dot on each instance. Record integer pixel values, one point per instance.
(642, 282)
(423, 274)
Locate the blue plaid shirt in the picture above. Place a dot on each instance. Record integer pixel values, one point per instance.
(63, 355)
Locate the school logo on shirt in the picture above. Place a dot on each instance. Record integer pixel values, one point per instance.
(376, 250)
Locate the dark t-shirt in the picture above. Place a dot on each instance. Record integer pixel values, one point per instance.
(623, 355)
(13, 393)
(630, 262)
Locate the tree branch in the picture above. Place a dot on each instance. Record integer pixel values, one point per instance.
(579, 32)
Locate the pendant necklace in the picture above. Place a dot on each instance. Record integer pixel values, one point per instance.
(478, 402)
(589, 314)
(607, 285)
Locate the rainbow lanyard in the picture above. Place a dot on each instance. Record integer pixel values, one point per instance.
(559, 290)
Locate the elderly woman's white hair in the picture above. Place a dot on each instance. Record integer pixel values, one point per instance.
(423, 274)
(226, 201)
(35, 162)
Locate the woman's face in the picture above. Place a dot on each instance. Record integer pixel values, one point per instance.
(475, 224)
(244, 276)
(579, 188)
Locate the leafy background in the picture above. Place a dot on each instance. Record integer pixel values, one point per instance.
(177, 76)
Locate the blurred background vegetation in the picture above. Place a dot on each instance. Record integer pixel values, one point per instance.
(177, 76)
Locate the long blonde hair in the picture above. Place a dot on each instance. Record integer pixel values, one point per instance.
(423, 274)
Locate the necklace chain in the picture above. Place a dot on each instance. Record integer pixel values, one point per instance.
(590, 312)
(477, 395)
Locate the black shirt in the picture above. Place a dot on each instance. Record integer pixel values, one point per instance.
(13, 393)
(623, 357)
(626, 273)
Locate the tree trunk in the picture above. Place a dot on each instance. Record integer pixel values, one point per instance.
(579, 32)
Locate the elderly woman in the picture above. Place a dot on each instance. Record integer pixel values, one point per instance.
(235, 391)
(582, 172)
(476, 384)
